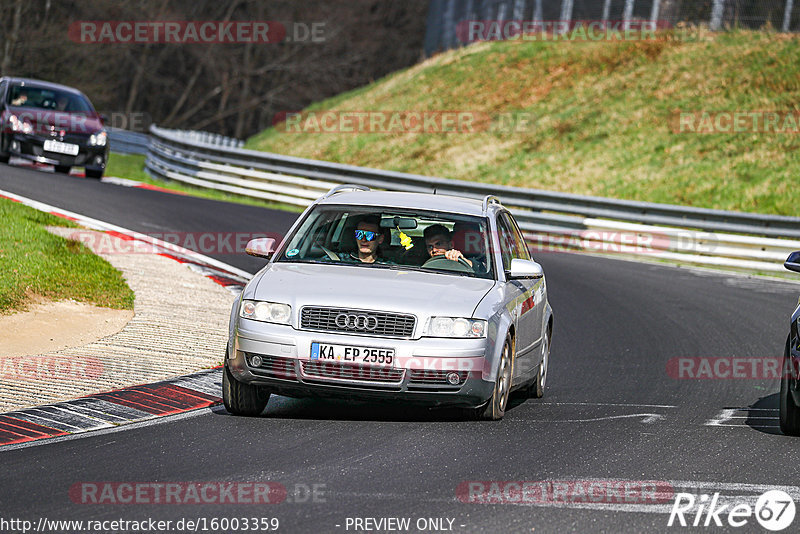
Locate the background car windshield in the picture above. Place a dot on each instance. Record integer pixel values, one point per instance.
(42, 98)
(328, 235)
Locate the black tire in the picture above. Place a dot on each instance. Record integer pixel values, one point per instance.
(4, 156)
(789, 411)
(495, 409)
(94, 174)
(63, 169)
(536, 390)
(240, 398)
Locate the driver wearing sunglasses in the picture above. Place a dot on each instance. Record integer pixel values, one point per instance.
(368, 238)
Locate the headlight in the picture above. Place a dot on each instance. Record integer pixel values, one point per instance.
(455, 327)
(98, 139)
(269, 312)
(20, 126)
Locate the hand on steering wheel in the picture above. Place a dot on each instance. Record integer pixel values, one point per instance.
(441, 261)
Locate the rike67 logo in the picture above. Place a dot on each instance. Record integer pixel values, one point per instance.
(774, 511)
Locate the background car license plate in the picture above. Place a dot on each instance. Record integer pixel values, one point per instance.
(347, 354)
(61, 148)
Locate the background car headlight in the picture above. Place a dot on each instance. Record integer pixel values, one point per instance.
(455, 327)
(20, 126)
(98, 139)
(269, 312)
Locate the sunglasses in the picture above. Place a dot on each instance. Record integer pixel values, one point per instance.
(362, 235)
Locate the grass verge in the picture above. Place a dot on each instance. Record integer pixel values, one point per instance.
(36, 262)
(603, 118)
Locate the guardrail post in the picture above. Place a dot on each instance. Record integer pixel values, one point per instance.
(566, 10)
(537, 11)
(654, 13)
(627, 14)
(787, 15)
(716, 15)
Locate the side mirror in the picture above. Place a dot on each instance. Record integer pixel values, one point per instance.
(793, 262)
(261, 248)
(525, 269)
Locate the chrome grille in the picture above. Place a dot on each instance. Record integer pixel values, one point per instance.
(273, 366)
(348, 371)
(388, 324)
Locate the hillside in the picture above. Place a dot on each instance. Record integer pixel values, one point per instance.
(603, 119)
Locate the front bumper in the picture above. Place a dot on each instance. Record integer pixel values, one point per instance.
(419, 374)
(31, 147)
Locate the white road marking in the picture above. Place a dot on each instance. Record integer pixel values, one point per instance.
(726, 416)
(647, 418)
(608, 404)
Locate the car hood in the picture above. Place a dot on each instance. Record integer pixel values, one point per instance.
(369, 288)
(46, 120)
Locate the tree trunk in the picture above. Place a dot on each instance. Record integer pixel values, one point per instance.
(11, 41)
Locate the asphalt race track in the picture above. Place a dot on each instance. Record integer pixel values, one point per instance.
(612, 413)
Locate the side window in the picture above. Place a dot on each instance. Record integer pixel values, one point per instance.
(3, 90)
(520, 247)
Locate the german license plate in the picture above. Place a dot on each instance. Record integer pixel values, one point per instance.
(348, 354)
(61, 148)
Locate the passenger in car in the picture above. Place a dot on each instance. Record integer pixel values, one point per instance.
(439, 242)
(368, 237)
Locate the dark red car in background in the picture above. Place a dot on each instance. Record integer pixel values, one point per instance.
(51, 124)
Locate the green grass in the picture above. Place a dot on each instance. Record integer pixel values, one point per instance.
(131, 166)
(602, 119)
(36, 262)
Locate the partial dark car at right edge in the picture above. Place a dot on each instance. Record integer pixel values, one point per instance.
(790, 385)
(51, 124)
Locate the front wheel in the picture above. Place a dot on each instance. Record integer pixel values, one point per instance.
(4, 156)
(495, 409)
(536, 389)
(240, 398)
(789, 411)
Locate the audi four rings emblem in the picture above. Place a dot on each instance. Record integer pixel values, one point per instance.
(358, 322)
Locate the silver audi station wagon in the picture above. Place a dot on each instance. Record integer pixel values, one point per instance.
(406, 297)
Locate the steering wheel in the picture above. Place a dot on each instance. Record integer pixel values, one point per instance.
(332, 255)
(440, 262)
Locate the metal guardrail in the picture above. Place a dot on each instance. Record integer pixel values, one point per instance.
(127, 142)
(550, 220)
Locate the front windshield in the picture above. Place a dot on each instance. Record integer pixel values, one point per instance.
(394, 239)
(27, 96)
